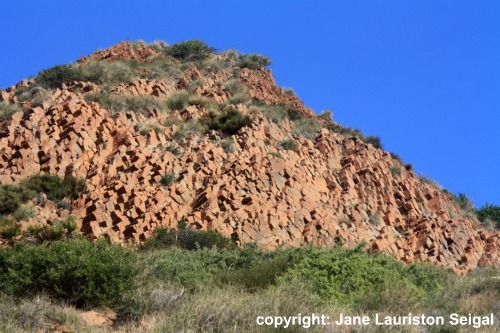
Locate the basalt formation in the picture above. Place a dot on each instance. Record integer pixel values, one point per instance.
(287, 178)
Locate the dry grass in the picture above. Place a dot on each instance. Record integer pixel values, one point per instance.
(165, 308)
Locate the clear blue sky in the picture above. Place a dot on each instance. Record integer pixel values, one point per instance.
(423, 75)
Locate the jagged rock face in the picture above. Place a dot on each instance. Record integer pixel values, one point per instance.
(332, 190)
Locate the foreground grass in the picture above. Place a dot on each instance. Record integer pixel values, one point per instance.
(183, 281)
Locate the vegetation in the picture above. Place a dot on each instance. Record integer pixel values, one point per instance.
(489, 214)
(11, 197)
(191, 50)
(57, 231)
(354, 277)
(76, 271)
(188, 278)
(150, 126)
(55, 187)
(24, 212)
(184, 129)
(278, 113)
(55, 77)
(396, 170)
(228, 145)
(234, 87)
(168, 179)
(174, 150)
(289, 145)
(7, 110)
(307, 127)
(178, 100)
(464, 202)
(9, 229)
(188, 239)
(326, 115)
(374, 141)
(124, 103)
(253, 61)
(13, 208)
(199, 101)
(228, 122)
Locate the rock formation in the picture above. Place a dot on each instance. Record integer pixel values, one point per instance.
(332, 189)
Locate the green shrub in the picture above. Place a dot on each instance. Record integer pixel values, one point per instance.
(178, 100)
(253, 61)
(9, 229)
(234, 87)
(184, 129)
(374, 141)
(239, 98)
(109, 72)
(76, 271)
(228, 122)
(289, 144)
(199, 101)
(326, 115)
(189, 269)
(277, 113)
(294, 114)
(228, 145)
(187, 239)
(428, 277)
(7, 109)
(9, 199)
(56, 76)
(168, 179)
(464, 202)
(354, 132)
(308, 128)
(141, 103)
(191, 50)
(396, 170)
(11, 196)
(408, 167)
(489, 212)
(24, 212)
(174, 150)
(345, 131)
(214, 65)
(260, 275)
(124, 103)
(149, 126)
(55, 187)
(164, 68)
(396, 157)
(349, 276)
(58, 231)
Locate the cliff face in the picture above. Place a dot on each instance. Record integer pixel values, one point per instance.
(329, 189)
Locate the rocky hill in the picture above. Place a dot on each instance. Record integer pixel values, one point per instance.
(161, 136)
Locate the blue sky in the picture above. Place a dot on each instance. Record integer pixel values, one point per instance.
(422, 75)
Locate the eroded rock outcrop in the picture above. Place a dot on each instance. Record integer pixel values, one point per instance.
(333, 189)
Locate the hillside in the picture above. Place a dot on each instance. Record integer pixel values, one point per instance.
(162, 135)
